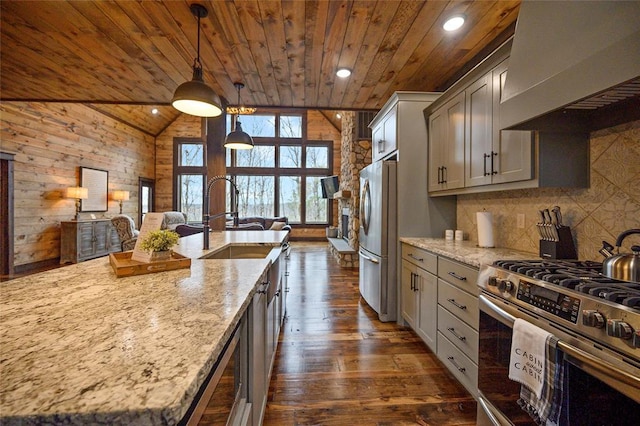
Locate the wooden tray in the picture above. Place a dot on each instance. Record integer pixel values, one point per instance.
(123, 266)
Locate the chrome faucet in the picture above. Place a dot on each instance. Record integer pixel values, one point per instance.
(205, 216)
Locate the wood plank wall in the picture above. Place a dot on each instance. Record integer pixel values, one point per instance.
(51, 141)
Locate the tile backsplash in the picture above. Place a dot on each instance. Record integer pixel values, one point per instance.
(601, 212)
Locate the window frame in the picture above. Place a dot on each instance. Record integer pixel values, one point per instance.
(179, 170)
(277, 172)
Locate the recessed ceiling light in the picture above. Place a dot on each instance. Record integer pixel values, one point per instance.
(343, 72)
(338, 116)
(453, 23)
(154, 111)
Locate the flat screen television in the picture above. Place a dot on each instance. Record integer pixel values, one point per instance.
(329, 186)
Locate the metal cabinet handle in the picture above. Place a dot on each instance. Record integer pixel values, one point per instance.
(455, 364)
(381, 145)
(493, 170)
(485, 156)
(456, 304)
(460, 277)
(444, 174)
(277, 293)
(439, 179)
(459, 337)
(419, 259)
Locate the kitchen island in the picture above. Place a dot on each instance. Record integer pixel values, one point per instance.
(80, 346)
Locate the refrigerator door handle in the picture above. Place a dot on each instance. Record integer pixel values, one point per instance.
(370, 259)
(365, 206)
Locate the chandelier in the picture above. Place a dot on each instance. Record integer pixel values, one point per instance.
(240, 109)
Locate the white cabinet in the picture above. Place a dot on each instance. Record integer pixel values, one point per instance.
(458, 316)
(259, 373)
(446, 145)
(465, 131)
(419, 290)
(384, 135)
(491, 155)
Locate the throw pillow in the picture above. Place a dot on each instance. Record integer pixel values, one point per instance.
(277, 226)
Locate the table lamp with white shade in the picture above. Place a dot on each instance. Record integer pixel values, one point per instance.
(78, 193)
(120, 196)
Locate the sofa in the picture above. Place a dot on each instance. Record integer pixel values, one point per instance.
(260, 223)
(177, 221)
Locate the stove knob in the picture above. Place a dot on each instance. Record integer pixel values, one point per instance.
(635, 341)
(619, 328)
(493, 281)
(593, 319)
(505, 285)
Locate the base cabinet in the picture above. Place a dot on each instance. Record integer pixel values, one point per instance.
(87, 239)
(440, 303)
(458, 316)
(420, 294)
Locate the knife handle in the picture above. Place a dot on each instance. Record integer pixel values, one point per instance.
(558, 215)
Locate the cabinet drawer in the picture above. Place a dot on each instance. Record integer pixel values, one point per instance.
(460, 275)
(465, 370)
(459, 303)
(419, 257)
(461, 334)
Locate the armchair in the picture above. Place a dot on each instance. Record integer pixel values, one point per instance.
(177, 221)
(127, 232)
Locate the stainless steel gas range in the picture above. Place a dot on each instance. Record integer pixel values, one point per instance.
(597, 321)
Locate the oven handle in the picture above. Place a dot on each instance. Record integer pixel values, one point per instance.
(578, 354)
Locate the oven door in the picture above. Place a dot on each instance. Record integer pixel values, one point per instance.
(597, 392)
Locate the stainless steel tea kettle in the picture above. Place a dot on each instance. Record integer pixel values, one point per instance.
(625, 267)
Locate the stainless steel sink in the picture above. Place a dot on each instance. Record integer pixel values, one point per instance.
(242, 252)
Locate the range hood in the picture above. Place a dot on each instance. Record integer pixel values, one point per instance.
(574, 66)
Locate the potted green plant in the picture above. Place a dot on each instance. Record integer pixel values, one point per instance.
(159, 244)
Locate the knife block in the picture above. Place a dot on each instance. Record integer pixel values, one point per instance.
(562, 249)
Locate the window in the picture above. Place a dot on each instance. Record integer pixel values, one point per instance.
(190, 174)
(281, 175)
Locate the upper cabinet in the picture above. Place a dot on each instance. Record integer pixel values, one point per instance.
(446, 150)
(469, 152)
(384, 137)
(399, 123)
(493, 155)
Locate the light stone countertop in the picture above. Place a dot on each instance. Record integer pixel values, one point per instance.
(80, 346)
(467, 252)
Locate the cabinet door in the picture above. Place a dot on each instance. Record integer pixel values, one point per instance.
(453, 175)
(101, 236)
(258, 368)
(384, 136)
(513, 149)
(409, 305)
(427, 317)
(85, 236)
(437, 143)
(478, 144)
(114, 240)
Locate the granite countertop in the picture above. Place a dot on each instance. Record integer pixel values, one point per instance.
(467, 252)
(78, 345)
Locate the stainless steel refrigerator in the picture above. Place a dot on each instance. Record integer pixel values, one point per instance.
(378, 238)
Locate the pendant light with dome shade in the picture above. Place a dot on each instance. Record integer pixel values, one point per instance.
(195, 97)
(238, 139)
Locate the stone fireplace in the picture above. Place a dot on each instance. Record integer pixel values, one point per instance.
(354, 156)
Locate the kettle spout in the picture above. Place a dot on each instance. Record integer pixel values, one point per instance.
(606, 250)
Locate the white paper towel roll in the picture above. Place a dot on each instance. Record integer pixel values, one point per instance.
(485, 229)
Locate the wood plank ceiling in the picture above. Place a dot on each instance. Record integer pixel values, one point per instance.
(124, 57)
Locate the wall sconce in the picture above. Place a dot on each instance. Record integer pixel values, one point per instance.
(120, 196)
(79, 193)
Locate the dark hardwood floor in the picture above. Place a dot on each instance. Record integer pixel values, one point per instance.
(338, 365)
